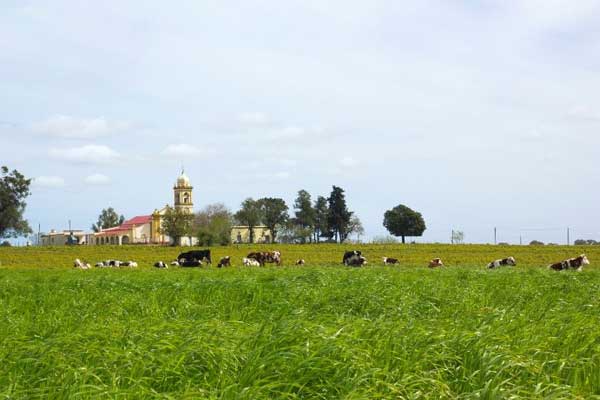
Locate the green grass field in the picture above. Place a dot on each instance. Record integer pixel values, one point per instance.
(318, 331)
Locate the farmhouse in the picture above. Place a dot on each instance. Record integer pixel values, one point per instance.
(146, 229)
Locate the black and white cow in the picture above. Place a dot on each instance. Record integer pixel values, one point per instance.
(509, 261)
(576, 263)
(300, 262)
(356, 262)
(198, 255)
(390, 261)
(160, 264)
(351, 257)
(250, 262)
(81, 265)
(224, 262)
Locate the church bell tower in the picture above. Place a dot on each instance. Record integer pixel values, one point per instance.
(183, 194)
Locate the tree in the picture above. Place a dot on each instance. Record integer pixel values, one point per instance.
(457, 237)
(536, 243)
(338, 217)
(274, 212)
(355, 226)
(176, 224)
(108, 218)
(213, 225)
(305, 215)
(14, 189)
(249, 215)
(321, 228)
(402, 221)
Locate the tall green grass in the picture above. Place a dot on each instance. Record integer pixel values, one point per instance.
(315, 332)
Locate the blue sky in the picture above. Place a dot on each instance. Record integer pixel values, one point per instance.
(477, 114)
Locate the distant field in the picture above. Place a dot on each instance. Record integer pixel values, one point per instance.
(319, 331)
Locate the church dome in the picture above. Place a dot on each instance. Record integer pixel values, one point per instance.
(183, 180)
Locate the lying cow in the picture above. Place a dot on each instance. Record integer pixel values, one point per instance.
(509, 261)
(300, 262)
(224, 262)
(160, 264)
(175, 263)
(436, 262)
(199, 255)
(131, 264)
(81, 265)
(112, 263)
(576, 263)
(266, 257)
(101, 264)
(390, 261)
(250, 262)
(190, 263)
(356, 262)
(350, 256)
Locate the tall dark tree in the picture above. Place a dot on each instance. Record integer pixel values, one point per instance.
(176, 224)
(402, 221)
(275, 214)
(339, 216)
(321, 225)
(14, 189)
(213, 225)
(305, 215)
(250, 215)
(108, 218)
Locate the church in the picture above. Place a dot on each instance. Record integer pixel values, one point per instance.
(145, 229)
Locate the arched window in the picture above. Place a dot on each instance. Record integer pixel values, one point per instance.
(186, 198)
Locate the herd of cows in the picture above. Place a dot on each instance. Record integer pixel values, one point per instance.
(197, 258)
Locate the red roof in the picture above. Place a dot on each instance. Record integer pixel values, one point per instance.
(127, 225)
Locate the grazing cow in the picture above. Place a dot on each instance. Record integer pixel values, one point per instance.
(502, 262)
(300, 262)
(250, 262)
(81, 265)
(436, 262)
(266, 257)
(356, 262)
(224, 262)
(199, 255)
(160, 264)
(350, 256)
(389, 260)
(576, 263)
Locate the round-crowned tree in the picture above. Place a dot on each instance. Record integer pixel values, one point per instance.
(402, 221)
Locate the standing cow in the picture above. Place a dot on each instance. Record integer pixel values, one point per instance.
(196, 255)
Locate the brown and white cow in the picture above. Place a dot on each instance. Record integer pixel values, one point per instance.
(389, 261)
(576, 263)
(250, 262)
(436, 262)
(509, 261)
(266, 257)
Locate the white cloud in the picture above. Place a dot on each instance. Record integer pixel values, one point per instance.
(183, 150)
(65, 126)
(97, 179)
(49, 181)
(583, 113)
(348, 162)
(88, 154)
(254, 118)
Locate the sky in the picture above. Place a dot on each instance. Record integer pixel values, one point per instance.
(478, 114)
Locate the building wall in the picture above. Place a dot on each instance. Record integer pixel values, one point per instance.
(241, 234)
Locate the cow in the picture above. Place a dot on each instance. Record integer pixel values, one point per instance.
(190, 263)
(502, 262)
(81, 265)
(250, 262)
(224, 262)
(351, 255)
(266, 257)
(300, 262)
(576, 263)
(436, 262)
(356, 262)
(199, 255)
(131, 264)
(389, 261)
(175, 263)
(112, 263)
(160, 264)
(101, 264)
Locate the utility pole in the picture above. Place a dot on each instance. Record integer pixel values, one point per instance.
(452, 237)
(495, 235)
(39, 231)
(568, 236)
(520, 240)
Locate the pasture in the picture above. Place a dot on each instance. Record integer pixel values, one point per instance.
(316, 331)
